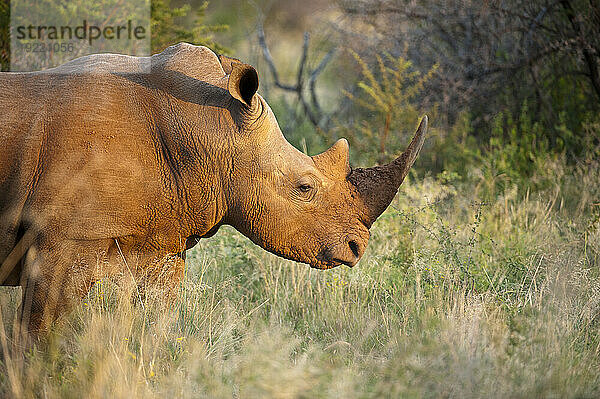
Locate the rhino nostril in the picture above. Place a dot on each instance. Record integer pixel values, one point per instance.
(353, 247)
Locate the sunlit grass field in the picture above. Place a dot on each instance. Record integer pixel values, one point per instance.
(477, 290)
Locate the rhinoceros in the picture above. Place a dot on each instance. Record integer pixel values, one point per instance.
(113, 162)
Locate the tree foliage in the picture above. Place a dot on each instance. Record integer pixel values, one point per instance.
(4, 35)
(167, 27)
(387, 91)
(495, 56)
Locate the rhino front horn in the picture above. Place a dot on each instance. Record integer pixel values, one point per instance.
(377, 186)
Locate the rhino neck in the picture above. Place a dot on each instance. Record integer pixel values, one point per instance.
(254, 184)
(191, 165)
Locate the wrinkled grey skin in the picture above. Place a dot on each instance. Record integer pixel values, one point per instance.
(105, 167)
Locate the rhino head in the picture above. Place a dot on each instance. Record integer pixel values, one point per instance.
(316, 210)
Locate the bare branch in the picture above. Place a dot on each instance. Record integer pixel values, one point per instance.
(300, 75)
(313, 79)
(312, 110)
(590, 60)
(267, 54)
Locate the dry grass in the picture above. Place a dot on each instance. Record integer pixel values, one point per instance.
(455, 298)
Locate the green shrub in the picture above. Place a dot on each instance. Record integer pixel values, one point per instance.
(387, 102)
(169, 27)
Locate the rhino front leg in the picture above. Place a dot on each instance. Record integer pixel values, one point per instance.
(162, 277)
(57, 276)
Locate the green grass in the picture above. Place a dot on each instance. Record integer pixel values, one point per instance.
(456, 297)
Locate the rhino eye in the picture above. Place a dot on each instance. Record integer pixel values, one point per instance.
(304, 188)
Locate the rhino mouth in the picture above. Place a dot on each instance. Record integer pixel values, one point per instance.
(326, 265)
(325, 261)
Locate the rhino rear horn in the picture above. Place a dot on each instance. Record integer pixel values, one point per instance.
(377, 186)
(335, 161)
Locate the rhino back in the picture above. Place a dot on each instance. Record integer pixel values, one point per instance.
(81, 149)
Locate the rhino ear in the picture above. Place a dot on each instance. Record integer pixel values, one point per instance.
(335, 161)
(243, 82)
(226, 63)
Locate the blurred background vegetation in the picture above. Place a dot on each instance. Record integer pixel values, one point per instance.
(509, 85)
(482, 279)
(520, 79)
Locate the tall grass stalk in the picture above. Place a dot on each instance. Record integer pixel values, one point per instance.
(457, 296)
